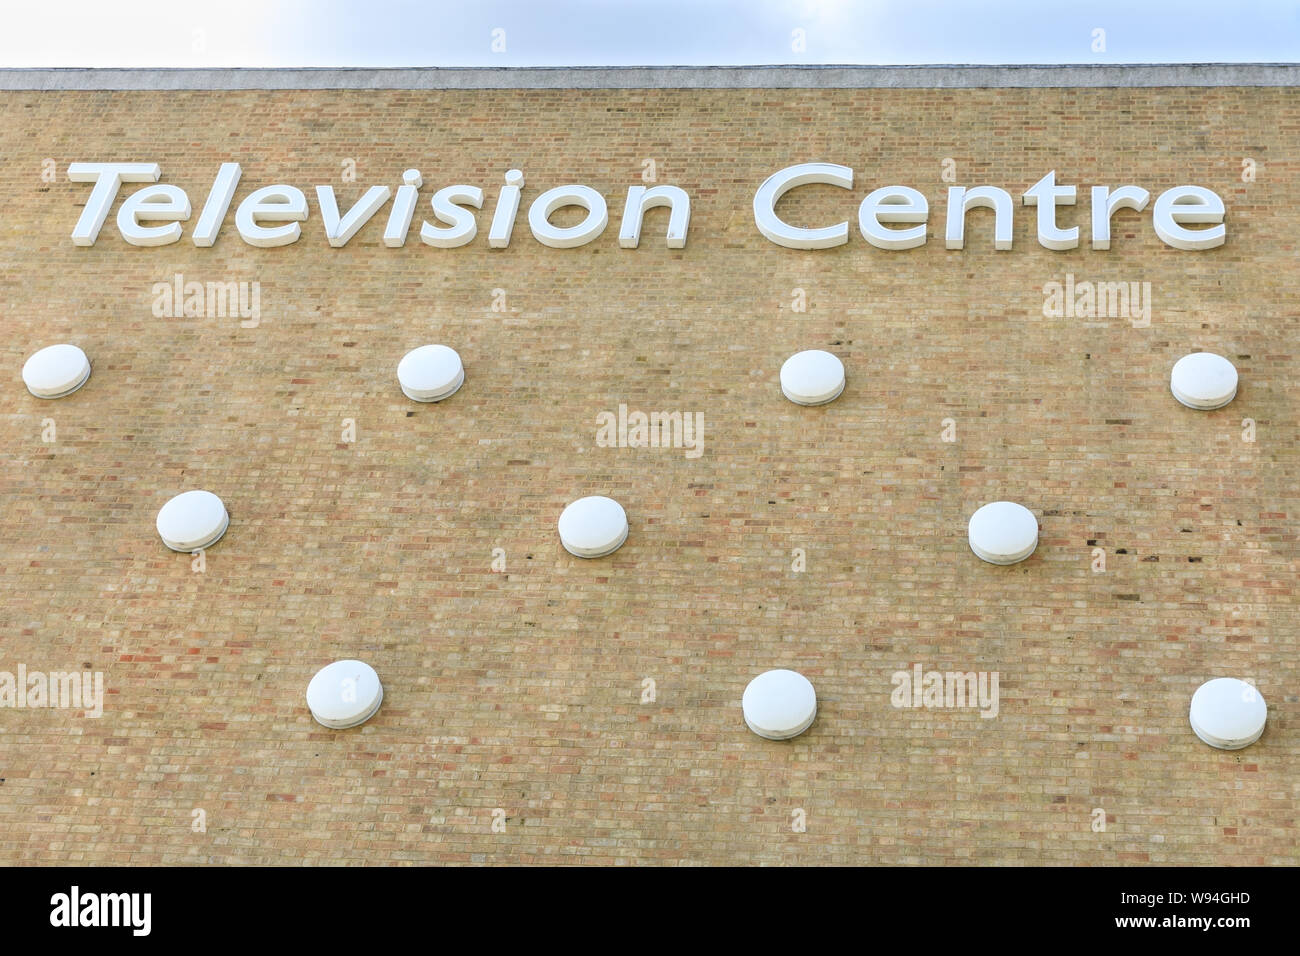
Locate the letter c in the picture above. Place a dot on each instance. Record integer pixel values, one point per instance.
(778, 184)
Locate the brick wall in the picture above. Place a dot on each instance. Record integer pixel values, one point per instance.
(522, 690)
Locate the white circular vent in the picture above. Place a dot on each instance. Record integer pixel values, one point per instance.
(812, 378)
(1228, 713)
(193, 520)
(56, 371)
(779, 704)
(1203, 380)
(593, 527)
(430, 373)
(344, 694)
(1003, 532)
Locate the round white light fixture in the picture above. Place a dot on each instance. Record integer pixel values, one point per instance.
(812, 378)
(193, 520)
(430, 373)
(779, 704)
(593, 527)
(55, 371)
(1003, 532)
(1203, 380)
(1227, 713)
(344, 694)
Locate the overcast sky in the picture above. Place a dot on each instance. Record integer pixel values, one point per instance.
(178, 33)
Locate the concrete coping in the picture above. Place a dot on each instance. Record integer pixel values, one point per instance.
(1081, 75)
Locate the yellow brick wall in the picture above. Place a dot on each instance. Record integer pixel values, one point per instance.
(522, 690)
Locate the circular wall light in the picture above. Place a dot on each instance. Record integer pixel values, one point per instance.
(344, 694)
(193, 520)
(593, 527)
(1003, 532)
(779, 704)
(812, 378)
(430, 373)
(1203, 380)
(1227, 713)
(55, 371)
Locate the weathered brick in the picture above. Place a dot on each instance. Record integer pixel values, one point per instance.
(521, 690)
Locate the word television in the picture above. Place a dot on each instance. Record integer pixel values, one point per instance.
(891, 217)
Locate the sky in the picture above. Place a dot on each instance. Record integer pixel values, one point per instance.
(377, 33)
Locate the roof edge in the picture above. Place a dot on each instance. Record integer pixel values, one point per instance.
(939, 76)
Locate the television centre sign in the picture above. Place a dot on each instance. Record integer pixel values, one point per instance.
(892, 217)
